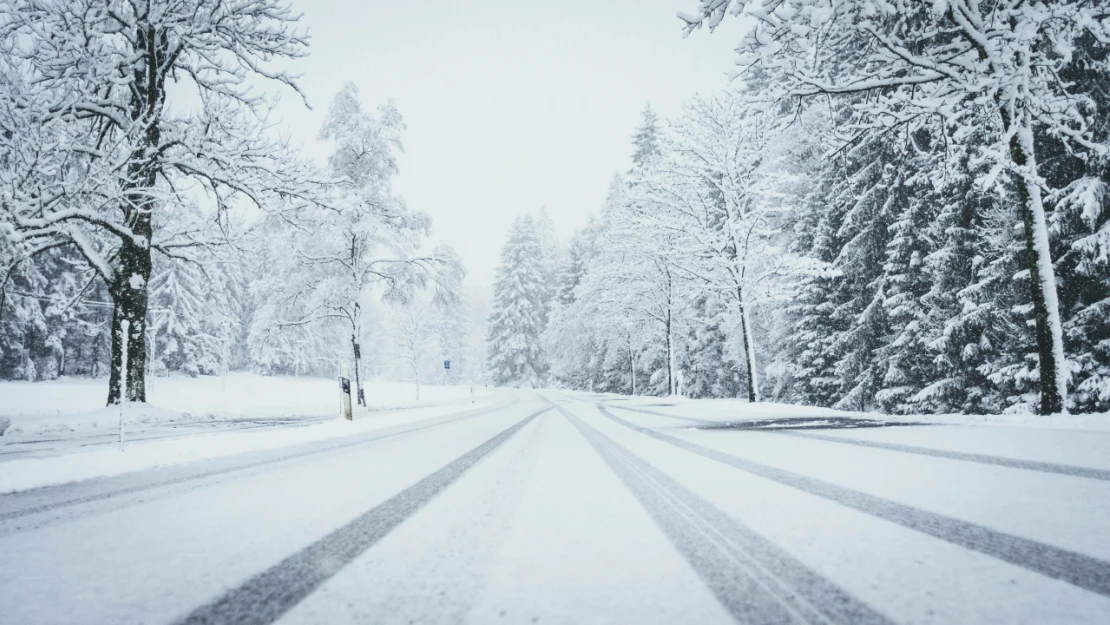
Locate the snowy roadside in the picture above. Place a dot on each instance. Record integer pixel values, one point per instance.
(727, 410)
(27, 473)
(76, 405)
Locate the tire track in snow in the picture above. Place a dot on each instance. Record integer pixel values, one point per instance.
(669, 416)
(1013, 463)
(52, 498)
(267, 596)
(1067, 566)
(755, 580)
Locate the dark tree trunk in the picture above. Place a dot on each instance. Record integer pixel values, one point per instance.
(128, 287)
(130, 303)
(358, 380)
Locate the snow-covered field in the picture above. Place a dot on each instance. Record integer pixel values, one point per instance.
(74, 404)
(161, 451)
(59, 431)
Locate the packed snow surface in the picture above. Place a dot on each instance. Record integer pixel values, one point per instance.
(541, 507)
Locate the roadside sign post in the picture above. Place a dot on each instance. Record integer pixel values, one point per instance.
(446, 371)
(345, 396)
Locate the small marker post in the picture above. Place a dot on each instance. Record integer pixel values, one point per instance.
(125, 333)
(345, 395)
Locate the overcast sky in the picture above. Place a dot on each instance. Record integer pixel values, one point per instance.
(510, 104)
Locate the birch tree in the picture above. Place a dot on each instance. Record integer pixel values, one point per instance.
(905, 64)
(635, 283)
(411, 333)
(724, 192)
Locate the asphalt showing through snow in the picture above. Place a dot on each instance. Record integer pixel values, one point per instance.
(754, 579)
(1068, 566)
(267, 596)
(750, 575)
(1013, 463)
(34, 503)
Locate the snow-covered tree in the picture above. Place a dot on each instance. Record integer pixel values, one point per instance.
(191, 325)
(516, 322)
(361, 241)
(952, 66)
(636, 289)
(99, 157)
(411, 336)
(646, 140)
(722, 186)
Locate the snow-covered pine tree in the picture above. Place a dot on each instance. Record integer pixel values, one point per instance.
(905, 360)
(967, 324)
(191, 326)
(516, 322)
(912, 62)
(708, 366)
(646, 140)
(569, 338)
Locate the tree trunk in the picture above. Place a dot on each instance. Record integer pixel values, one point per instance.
(670, 356)
(129, 301)
(749, 348)
(131, 275)
(358, 381)
(632, 368)
(1042, 276)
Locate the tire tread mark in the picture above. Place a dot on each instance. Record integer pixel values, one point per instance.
(756, 581)
(1067, 566)
(267, 596)
(315, 450)
(1013, 463)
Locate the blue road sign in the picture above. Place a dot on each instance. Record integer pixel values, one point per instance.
(446, 364)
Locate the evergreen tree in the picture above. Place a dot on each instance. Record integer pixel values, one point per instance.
(516, 322)
(708, 368)
(646, 139)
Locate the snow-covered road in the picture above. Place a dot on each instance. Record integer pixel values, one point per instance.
(572, 508)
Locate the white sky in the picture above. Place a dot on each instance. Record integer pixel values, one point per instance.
(510, 104)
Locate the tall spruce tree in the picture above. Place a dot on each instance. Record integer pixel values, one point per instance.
(516, 322)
